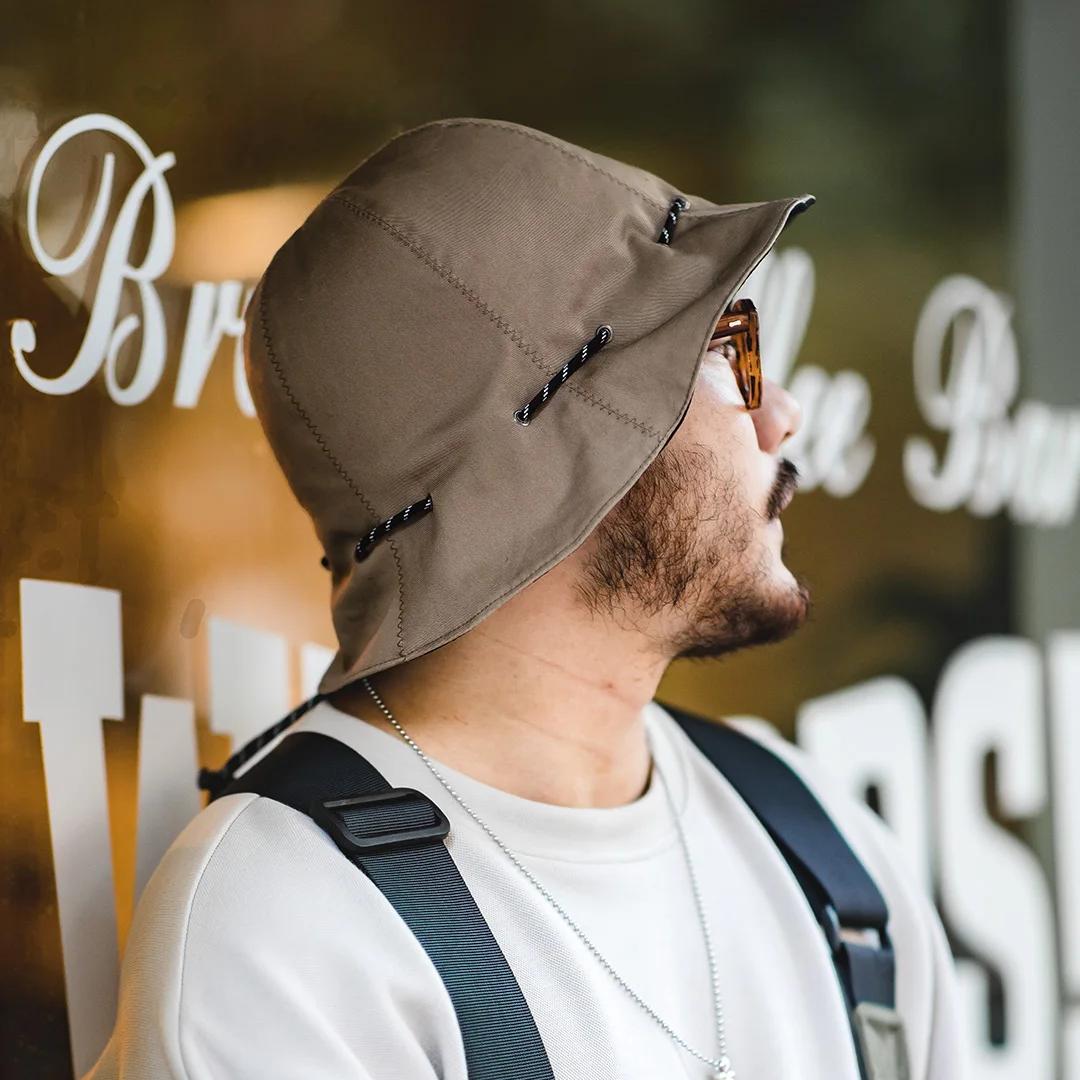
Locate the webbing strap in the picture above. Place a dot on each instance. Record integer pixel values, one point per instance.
(394, 835)
(837, 886)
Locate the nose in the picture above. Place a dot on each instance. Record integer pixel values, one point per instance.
(778, 418)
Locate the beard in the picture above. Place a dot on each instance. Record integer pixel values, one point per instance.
(683, 541)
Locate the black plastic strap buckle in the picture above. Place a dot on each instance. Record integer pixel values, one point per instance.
(335, 815)
(870, 935)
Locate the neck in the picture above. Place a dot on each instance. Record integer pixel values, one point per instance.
(539, 700)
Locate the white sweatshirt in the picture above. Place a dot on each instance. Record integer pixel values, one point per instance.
(258, 951)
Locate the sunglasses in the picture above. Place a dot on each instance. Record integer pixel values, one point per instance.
(740, 326)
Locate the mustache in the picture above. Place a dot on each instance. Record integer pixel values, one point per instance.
(783, 490)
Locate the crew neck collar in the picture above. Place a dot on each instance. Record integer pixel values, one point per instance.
(528, 827)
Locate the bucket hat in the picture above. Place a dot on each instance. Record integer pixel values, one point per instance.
(469, 352)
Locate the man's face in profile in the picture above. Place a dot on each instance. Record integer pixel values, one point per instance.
(692, 554)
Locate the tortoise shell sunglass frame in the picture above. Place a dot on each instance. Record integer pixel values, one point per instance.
(740, 326)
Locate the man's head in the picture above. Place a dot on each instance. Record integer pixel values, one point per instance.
(466, 270)
(691, 555)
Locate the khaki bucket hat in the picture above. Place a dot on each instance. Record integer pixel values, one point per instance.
(469, 352)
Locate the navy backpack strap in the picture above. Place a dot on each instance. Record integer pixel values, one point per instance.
(395, 836)
(838, 888)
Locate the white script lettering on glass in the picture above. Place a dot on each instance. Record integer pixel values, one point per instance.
(1027, 463)
(215, 310)
(832, 448)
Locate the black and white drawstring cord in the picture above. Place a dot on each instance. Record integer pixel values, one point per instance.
(216, 780)
(678, 205)
(412, 512)
(543, 395)
(403, 517)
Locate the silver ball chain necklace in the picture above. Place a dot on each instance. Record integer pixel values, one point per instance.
(721, 1065)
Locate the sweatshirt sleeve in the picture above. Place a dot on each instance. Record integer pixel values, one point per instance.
(946, 1053)
(258, 951)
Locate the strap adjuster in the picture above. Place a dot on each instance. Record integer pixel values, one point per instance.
(349, 821)
(882, 1042)
(869, 936)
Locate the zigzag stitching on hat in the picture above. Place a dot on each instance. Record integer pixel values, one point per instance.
(332, 457)
(452, 279)
(564, 150)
